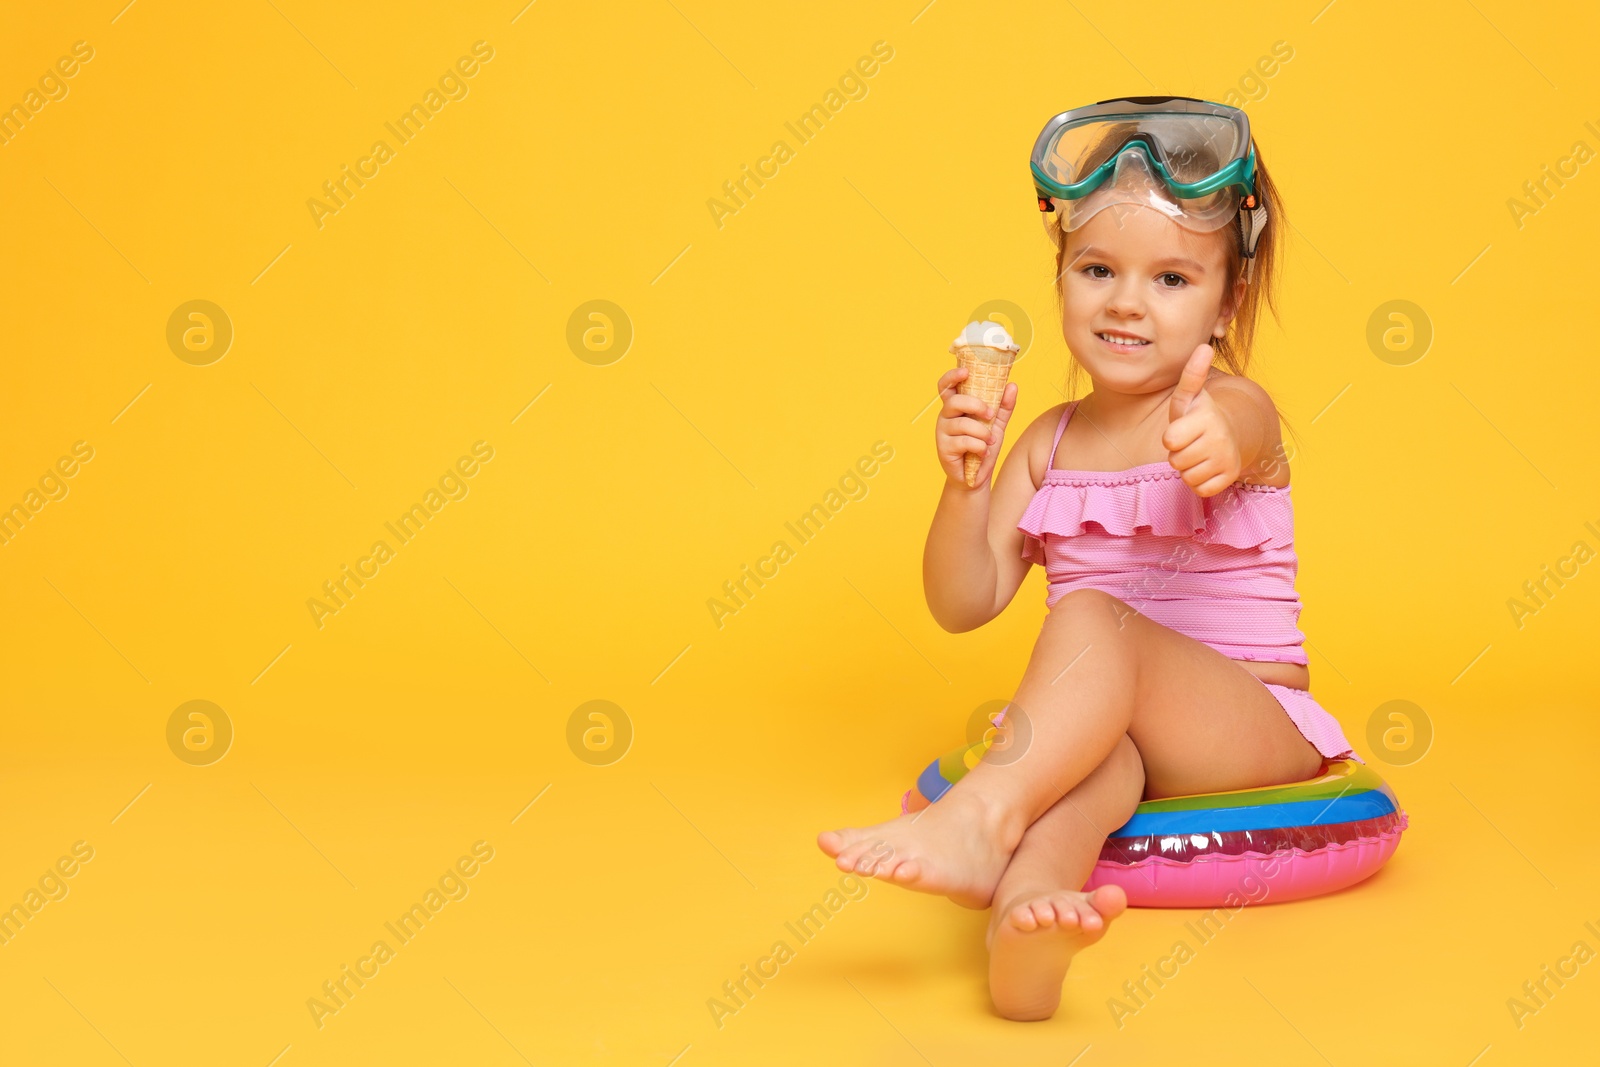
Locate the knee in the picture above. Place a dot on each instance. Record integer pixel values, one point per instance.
(1127, 765)
(1126, 761)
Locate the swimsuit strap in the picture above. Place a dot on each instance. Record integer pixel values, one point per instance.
(1065, 415)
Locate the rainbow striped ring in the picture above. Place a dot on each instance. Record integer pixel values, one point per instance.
(1270, 844)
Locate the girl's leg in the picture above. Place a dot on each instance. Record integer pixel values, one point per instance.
(1041, 916)
(1202, 723)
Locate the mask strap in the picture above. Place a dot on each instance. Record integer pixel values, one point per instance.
(1252, 220)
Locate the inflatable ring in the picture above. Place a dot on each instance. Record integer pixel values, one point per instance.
(1273, 843)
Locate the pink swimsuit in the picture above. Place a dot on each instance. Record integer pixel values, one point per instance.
(1218, 569)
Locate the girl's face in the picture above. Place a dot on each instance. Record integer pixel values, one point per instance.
(1134, 272)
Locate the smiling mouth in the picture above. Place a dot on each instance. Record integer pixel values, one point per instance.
(1122, 342)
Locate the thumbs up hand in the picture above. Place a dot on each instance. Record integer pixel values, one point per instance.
(1200, 440)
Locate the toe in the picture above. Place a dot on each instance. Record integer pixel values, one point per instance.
(1022, 918)
(1068, 912)
(830, 841)
(1109, 901)
(1084, 915)
(904, 872)
(851, 851)
(1044, 913)
(847, 858)
(872, 859)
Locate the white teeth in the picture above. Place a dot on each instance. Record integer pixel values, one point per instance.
(1120, 340)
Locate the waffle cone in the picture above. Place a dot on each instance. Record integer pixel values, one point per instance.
(988, 370)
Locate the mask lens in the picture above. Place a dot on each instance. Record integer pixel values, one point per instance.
(1078, 150)
(1191, 147)
(1133, 182)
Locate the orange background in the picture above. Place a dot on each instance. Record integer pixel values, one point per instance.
(768, 355)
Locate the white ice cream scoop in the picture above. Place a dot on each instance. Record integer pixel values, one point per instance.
(989, 334)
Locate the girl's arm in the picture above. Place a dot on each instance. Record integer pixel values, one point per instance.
(972, 565)
(1253, 419)
(1223, 428)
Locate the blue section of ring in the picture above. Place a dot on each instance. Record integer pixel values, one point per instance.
(930, 783)
(1352, 806)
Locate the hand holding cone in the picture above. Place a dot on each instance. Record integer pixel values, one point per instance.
(986, 352)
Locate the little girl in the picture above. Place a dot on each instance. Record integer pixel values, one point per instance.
(1170, 661)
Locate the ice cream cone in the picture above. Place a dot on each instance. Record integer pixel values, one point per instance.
(988, 370)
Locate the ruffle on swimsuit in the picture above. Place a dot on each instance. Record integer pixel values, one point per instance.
(1154, 498)
(1218, 569)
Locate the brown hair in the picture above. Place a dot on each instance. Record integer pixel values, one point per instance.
(1234, 349)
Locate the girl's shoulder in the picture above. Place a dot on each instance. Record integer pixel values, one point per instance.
(1038, 439)
(1045, 423)
(1271, 469)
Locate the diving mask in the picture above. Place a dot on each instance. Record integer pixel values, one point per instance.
(1191, 160)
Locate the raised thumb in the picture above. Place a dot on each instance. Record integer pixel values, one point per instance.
(1191, 381)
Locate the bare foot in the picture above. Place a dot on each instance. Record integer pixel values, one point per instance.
(1033, 940)
(958, 847)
